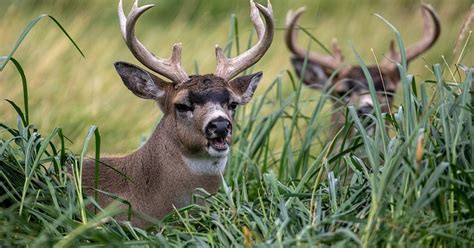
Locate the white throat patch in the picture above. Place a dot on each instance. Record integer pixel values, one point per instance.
(206, 166)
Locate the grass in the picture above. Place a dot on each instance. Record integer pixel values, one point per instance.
(409, 184)
(85, 92)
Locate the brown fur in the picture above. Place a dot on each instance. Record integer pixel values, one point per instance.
(190, 146)
(157, 178)
(350, 84)
(349, 87)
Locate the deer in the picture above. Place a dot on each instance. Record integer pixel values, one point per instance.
(350, 87)
(190, 146)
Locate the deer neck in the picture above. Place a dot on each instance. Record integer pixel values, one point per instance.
(164, 151)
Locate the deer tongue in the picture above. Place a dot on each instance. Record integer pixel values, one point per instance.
(219, 143)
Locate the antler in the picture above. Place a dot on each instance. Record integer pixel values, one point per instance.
(170, 68)
(228, 68)
(431, 32)
(291, 39)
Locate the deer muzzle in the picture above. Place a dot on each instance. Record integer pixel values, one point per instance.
(218, 132)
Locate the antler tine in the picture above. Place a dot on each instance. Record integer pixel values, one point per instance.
(228, 68)
(170, 68)
(256, 20)
(291, 40)
(122, 20)
(291, 36)
(336, 51)
(431, 32)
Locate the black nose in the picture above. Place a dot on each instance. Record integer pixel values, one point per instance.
(364, 110)
(219, 127)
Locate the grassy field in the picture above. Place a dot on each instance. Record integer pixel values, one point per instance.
(75, 93)
(409, 184)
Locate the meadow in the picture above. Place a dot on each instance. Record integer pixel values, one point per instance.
(84, 92)
(409, 184)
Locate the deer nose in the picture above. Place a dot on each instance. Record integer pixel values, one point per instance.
(364, 110)
(219, 127)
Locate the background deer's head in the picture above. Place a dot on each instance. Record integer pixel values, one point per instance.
(198, 109)
(350, 84)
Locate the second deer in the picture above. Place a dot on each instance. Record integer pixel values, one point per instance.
(350, 85)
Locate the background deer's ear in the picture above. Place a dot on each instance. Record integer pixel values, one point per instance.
(139, 81)
(314, 75)
(245, 86)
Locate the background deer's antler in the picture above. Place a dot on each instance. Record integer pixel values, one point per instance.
(291, 38)
(431, 32)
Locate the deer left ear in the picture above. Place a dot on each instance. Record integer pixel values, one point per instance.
(245, 86)
(139, 81)
(314, 75)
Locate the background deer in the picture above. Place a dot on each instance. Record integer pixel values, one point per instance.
(190, 145)
(350, 84)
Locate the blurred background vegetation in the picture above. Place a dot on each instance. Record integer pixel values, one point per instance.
(69, 91)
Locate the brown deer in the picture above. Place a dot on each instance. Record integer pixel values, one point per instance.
(350, 84)
(190, 146)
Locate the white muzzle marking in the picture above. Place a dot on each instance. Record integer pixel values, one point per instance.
(215, 111)
(365, 100)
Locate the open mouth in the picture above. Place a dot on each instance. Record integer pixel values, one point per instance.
(219, 143)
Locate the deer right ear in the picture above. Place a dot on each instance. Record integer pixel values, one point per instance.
(314, 75)
(246, 85)
(139, 81)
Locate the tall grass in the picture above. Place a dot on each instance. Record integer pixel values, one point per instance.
(85, 92)
(409, 184)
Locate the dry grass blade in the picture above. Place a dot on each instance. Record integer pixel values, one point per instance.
(464, 30)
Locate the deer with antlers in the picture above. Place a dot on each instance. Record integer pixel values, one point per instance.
(350, 87)
(190, 146)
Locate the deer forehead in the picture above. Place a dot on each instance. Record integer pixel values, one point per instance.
(201, 98)
(201, 90)
(213, 95)
(355, 81)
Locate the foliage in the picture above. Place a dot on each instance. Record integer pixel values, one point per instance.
(408, 183)
(85, 92)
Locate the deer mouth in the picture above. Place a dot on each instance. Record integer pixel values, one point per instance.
(219, 143)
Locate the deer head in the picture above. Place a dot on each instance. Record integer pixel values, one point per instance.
(350, 84)
(198, 109)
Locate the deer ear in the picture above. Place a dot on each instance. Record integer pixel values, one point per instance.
(139, 81)
(245, 86)
(314, 75)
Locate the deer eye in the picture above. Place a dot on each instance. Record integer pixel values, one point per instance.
(183, 107)
(340, 93)
(232, 106)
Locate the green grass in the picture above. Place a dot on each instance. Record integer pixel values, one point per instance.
(409, 184)
(75, 93)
